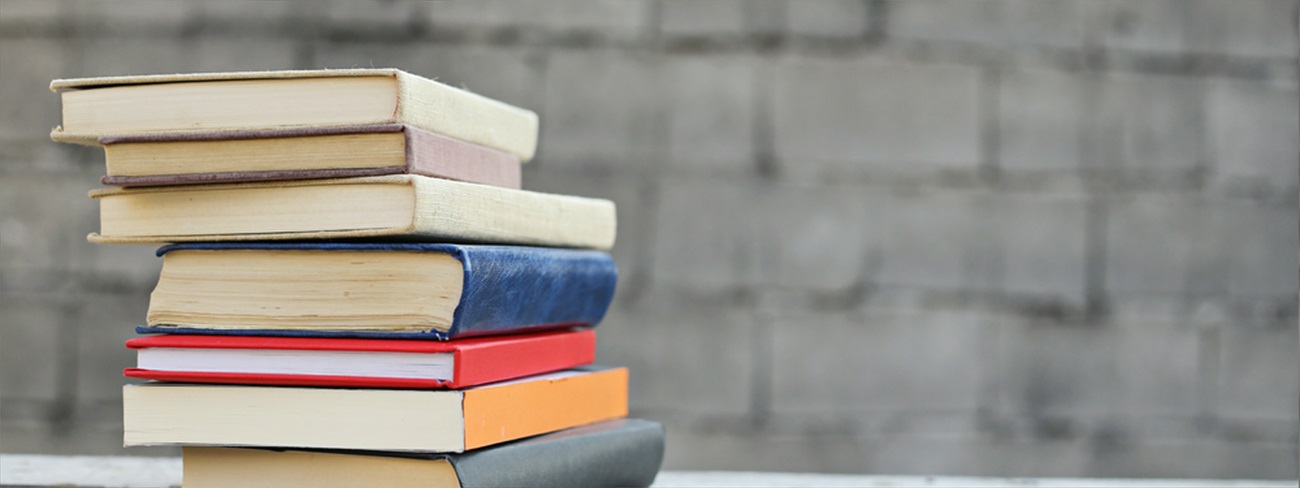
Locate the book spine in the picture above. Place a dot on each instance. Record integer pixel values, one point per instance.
(485, 363)
(512, 289)
(424, 103)
(503, 412)
(431, 154)
(449, 210)
(624, 452)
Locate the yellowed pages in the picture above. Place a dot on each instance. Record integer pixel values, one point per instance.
(224, 467)
(177, 214)
(337, 151)
(377, 419)
(309, 290)
(226, 105)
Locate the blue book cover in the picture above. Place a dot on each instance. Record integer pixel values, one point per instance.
(506, 289)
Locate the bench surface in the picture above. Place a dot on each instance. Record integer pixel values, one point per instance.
(107, 471)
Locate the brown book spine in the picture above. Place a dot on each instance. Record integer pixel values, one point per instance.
(427, 154)
(246, 176)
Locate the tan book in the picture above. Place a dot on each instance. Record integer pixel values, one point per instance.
(624, 452)
(407, 207)
(235, 101)
(224, 467)
(301, 154)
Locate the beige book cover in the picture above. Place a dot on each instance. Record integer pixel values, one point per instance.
(404, 207)
(235, 101)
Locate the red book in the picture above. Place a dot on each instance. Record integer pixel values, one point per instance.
(364, 363)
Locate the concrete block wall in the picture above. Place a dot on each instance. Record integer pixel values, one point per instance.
(1008, 238)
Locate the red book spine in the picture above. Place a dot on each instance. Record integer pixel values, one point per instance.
(485, 363)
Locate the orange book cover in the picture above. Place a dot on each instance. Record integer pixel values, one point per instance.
(527, 408)
(428, 421)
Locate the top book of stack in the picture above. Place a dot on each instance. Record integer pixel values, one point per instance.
(204, 103)
(254, 110)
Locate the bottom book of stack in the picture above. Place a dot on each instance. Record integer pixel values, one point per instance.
(624, 452)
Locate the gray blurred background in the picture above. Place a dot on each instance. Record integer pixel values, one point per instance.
(1017, 238)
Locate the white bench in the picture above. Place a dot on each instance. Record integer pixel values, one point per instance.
(105, 471)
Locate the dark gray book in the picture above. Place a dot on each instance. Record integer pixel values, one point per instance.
(624, 452)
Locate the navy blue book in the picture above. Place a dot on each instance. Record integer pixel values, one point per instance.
(394, 290)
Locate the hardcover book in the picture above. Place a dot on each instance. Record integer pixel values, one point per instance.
(406, 207)
(432, 291)
(235, 101)
(357, 363)
(299, 154)
(615, 453)
(370, 419)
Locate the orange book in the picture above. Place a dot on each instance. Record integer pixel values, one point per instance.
(371, 419)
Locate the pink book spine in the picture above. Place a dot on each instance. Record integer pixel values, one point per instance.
(427, 154)
(437, 155)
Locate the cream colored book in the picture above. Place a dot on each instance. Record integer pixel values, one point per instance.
(419, 420)
(402, 207)
(259, 100)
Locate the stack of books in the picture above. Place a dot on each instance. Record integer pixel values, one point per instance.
(355, 291)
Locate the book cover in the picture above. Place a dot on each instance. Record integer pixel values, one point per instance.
(428, 421)
(295, 361)
(408, 207)
(504, 289)
(317, 153)
(252, 100)
(615, 453)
